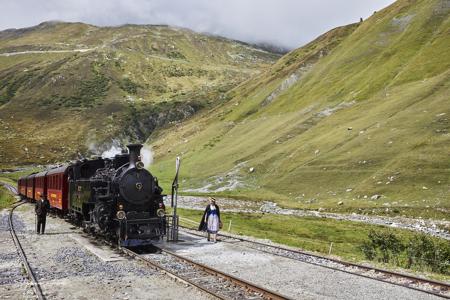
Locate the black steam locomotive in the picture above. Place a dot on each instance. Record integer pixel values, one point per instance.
(116, 197)
(123, 199)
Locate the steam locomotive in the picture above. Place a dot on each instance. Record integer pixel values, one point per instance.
(116, 197)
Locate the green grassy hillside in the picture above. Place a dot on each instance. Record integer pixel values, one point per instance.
(357, 120)
(68, 87)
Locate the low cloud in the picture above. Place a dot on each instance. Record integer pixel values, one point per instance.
(286, 23)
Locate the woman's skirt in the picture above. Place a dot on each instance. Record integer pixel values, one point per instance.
(213, 223)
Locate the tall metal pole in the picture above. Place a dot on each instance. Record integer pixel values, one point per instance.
(175, 200)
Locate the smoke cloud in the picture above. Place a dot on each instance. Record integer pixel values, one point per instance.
(286, 23)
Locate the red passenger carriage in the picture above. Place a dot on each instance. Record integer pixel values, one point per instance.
(57, 188)
(40, 186)
(30, 186)
(22, 187)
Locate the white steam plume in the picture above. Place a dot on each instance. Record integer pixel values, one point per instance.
(113, 150)
(147, 156)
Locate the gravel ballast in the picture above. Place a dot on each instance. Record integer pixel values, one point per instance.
(65, 269)
(13, 281)
(295, 279)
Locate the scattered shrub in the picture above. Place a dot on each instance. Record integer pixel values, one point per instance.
(11, 86)
(423, 251)
(420, 251)
(129, 86)
(384, 245)
(176, 55)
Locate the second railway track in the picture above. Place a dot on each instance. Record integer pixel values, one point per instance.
(432, 287)
(210, 280)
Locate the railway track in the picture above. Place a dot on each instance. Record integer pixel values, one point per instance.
(23, 257)
(10, 188)
(207, 279)
(432, 287)
(225, 286)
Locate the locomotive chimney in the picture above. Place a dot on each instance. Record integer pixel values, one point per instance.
(135, 151)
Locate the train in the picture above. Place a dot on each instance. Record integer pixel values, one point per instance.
(114, 197)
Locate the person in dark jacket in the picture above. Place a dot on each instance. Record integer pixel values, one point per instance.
(41, 209)
(211, 220)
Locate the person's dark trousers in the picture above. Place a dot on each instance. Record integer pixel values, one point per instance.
(41, 224)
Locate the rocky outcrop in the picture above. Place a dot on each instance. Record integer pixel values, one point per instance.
(144, 120)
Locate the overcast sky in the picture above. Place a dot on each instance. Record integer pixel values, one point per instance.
(287, 23)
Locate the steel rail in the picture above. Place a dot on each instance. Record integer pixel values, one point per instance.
(248, 285)
(265, 293)
(442, 286)
(23, 257)
(168, 272)
(9, 187)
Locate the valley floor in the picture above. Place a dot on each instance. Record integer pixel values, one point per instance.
(431, 227)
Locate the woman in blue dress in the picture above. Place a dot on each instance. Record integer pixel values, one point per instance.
(211, 220)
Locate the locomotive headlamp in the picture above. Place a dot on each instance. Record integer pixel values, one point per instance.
(121, 215)
(161, 213)
(121, 206)
(139, 165)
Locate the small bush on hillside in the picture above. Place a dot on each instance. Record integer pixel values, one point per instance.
(384, 245)
(129, 86)
(420, 251)
(10, 87)
(424, 251)
(176, 55)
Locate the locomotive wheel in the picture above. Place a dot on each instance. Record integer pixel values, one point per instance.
(85, 227)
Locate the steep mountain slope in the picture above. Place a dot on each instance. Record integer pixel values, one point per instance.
(68, 87)
(358, 117)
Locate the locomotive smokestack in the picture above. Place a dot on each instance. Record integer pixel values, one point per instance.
(135, 151)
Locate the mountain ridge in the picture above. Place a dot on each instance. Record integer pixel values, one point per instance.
(363, 126)
(88, 85)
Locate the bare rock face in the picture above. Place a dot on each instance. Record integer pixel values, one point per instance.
(145, 121)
